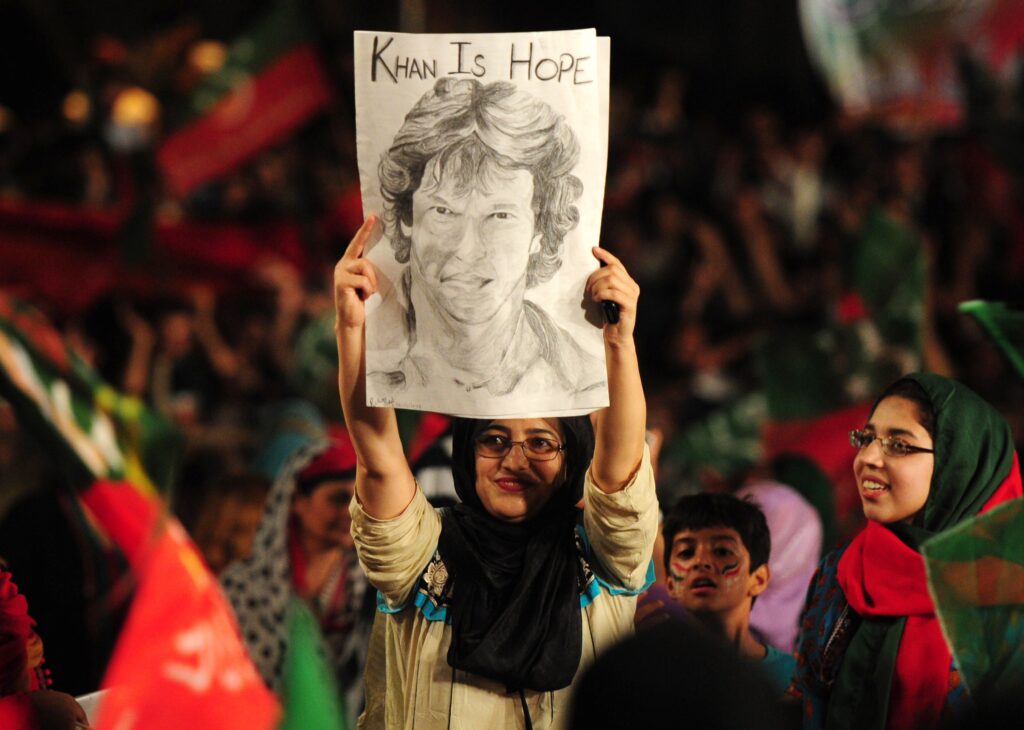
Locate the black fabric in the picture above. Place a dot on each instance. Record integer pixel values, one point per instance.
(515, 609)
(673, 676)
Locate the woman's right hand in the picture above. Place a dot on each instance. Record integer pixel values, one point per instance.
(355, 277)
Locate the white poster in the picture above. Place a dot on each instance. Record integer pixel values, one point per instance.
(484, 156)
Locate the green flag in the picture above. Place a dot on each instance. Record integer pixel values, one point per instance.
(1004, 325)
(976, 578)
(311, 698)
(93, 431)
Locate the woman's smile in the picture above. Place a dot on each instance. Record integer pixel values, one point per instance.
(513, 484)
(514, 487)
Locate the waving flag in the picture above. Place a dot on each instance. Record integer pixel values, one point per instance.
(895, 60)
(271, 83)
(95, 432)
(179, 661)
(311, 697)
(976, 578)
(1004, 324)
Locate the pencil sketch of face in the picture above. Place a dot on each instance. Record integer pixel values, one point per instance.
(471, 248)
(479, 195)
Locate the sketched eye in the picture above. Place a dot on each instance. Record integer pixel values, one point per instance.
(502, 215)
(442, 211)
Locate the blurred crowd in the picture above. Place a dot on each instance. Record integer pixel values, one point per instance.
(735, 228)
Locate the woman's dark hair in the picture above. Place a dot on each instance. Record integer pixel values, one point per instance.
(911, 391)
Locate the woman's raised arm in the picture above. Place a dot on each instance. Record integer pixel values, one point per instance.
(384, 482)
(618, 429)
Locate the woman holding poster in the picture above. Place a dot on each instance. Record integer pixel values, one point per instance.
(488, 610)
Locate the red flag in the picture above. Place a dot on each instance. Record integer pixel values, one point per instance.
(826, 441)
(270, 83)
(179, 661)
(265, 111)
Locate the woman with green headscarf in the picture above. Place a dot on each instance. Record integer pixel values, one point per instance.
(871, 654)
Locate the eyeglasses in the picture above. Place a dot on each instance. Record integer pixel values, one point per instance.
(535, 448)
(890, 446)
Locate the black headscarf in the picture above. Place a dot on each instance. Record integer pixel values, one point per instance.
(515, 608)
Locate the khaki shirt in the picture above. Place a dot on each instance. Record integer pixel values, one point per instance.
(409, 683)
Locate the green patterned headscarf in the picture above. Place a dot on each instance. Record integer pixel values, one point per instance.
(973, 456)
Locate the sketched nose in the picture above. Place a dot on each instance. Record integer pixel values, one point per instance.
(468, 243)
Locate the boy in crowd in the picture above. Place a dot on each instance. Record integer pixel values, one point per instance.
(716, 559)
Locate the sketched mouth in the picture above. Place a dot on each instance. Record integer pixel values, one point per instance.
(467, 281)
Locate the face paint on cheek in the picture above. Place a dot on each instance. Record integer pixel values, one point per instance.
(731, 570)
(677, 572)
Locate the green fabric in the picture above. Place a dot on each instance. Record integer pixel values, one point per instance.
(314, 374)
(93, 431)
(860, 695)
(727, 442)
(976, 578)
(1004, 325)
(799, 372)
(806, 373)
(973, 452)
(973, 455)
(887, 268)
(311, 699)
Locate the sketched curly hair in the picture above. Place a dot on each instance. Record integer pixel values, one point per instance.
(461, 128)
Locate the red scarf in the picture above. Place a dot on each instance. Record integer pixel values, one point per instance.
(883, 577)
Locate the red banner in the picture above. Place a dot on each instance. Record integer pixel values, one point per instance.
(68, 256)
(259, 113)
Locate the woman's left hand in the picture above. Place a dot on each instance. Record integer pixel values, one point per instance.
(612, 283)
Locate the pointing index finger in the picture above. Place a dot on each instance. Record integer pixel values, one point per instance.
(603, 254)
(363, 236)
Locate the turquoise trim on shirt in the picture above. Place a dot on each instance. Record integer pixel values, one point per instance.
(430, 610)
(595, 586)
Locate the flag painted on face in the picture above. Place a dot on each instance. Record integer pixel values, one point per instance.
(976, 578)
(311, 697)
(94, 431)
(271, 83)
(179, 661)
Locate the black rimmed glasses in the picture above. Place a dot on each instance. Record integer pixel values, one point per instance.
(535, 448)
(890, 446)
